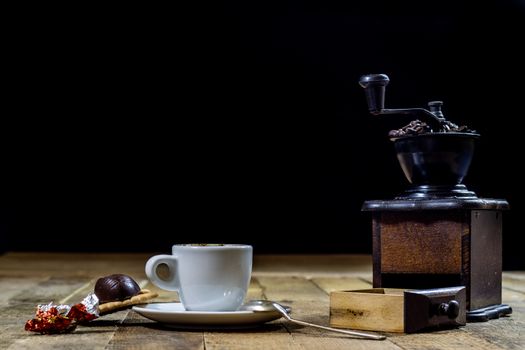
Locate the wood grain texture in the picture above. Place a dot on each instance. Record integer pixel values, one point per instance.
(466, 254)
(307, 300)
(311, 303)
(136, 332)
(309, 266)
(256, 338)
(445, 340)
(21, 307)
(302, 282)
(376, 249)
(11, 286)
(514, 281)
(430, 244)
(507, 332)
(485, 258)
(375, 310)
(77, 264)
(268, 337)
(338, 342)
(329, 284)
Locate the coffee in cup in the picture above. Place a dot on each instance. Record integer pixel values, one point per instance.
(208, 277)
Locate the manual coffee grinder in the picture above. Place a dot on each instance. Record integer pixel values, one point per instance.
(437, 233)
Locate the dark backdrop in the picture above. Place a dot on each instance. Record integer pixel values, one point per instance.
(131, 129)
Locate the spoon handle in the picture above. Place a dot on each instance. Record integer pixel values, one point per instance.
(356, 333)
(283, 312)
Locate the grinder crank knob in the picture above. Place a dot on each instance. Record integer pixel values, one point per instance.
(374, 85)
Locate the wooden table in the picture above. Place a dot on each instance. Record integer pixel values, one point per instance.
(303, 282)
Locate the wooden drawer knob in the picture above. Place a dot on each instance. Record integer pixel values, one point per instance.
(451, 309)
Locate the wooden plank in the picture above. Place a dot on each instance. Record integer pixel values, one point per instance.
(53, 289)
(311, 304)
(288, 288)
(514, 282)
(21, 307)
(278, 339)
(520, 275)
(101, 264)
(368, 311)
(11, 286)
(337, 342)
(307, 300)
(512, 297)
(136, 332)
(446, 340)
(25, 282)
(331, 284)
(68, 264)
(312, 265)
(95, 335)
(271, 336)
(505, 332)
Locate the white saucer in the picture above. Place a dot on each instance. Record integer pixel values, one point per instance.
(174, 315)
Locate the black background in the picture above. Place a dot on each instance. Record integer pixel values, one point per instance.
(131, 129)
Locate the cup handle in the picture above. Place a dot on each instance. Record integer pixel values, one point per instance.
(151, 271)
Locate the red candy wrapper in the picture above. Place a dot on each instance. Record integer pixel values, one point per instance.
(51, 318)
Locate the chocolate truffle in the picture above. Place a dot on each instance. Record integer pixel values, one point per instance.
(115, 287)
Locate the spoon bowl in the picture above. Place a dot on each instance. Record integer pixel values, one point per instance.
(272, 306)
(263, 306)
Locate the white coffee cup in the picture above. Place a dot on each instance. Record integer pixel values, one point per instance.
(208, 277)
